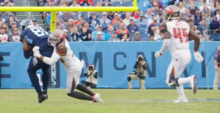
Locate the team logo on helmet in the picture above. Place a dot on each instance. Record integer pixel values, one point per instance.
(169, 10)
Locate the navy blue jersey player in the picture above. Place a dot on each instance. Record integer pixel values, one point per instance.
(35, 36)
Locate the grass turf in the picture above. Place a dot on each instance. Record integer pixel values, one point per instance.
(116, 101)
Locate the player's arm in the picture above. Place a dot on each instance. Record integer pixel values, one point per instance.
(216, 62)
(166, 40)
(50, 61)
(26, 49)
(193, 35)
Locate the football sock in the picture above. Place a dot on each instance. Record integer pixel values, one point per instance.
(180, 91)
(84, 89)
(80, 95)
(34, 81)
(182, 81)
(45, 80)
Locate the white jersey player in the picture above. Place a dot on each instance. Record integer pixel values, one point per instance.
(175, 33)
(72, 65)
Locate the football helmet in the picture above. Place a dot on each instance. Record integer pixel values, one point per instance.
(56, 36)
(26, 24)
(171, 12)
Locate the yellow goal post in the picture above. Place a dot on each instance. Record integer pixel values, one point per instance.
(53, 10)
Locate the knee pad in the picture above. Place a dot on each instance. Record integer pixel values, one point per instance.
(173, 83)
(129, 78)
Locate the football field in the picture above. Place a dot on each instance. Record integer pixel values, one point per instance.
(115, 101)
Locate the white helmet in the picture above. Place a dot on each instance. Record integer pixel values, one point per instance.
(26, 24)
(56, 36)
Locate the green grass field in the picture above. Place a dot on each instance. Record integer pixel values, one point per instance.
(116, 101)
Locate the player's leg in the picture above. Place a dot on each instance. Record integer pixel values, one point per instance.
(171, 82)
(45, 77)
(73, 83)
(130, 77)
(34, 65)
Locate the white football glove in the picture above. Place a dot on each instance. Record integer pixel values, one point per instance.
(36, 51)
(158, 54)
(198, 56)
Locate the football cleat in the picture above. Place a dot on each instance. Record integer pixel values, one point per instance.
(181, 100)
(41, 97)
(193, 84)
(45, 93)
(96, 98)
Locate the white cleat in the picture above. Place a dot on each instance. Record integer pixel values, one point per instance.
(181, 100)
(96, 98)
(193, 84)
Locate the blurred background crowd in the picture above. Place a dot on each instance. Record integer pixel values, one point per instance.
(203, 16)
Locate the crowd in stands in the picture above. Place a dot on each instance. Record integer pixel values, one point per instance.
(203, 16)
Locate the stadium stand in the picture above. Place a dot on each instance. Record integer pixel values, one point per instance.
(203, 16)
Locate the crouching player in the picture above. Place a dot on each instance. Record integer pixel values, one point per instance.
(72, 65)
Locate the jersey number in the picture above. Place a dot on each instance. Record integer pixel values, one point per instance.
(38, 31)
(181, 34)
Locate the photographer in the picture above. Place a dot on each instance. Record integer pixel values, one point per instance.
(140, 73)
(1, 58)
(91, 77)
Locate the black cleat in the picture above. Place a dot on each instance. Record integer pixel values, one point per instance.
(45, 93)
(41, 97)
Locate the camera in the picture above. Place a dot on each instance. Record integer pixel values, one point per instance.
(140, 59)
(90, 68)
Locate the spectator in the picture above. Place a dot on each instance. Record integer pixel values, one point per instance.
(150, 28)
(85, 3)
(110, 16)
(66, 16)
(218, 14)
(206, 15)
(186, 14)
(150, 21)
(137, 36)
(94, 33)
(197, 17)
(75, 36)
(156, 3)
(144, 5)
(13, 25)
(214, 25)
(199, 3)
(2, 20)
(125, 38)
(15, 37)
(156, 32)
(11, 20)
(155, 10)
(94, 22)
(59, 24)
(113, 37)
(79, 23)
(89, 1)
(104, 21)
(99, 36)
(151, 37)
(85, 35)
(122, 31)
(141, 22)
(40, 3)
(132, 27)
(109, 34)
(205, 8)
(116, 21)
(5, 26)
(70, 25)
(35, 22)
(107, 3)
(127, 19)
(186, 3)
(192, 9)
(74, 4)
(67, 34)
(203, 28)
(3, 35)
(137, 15)
(182, 8)
(148, 14)
(91, 77)
(6, 15)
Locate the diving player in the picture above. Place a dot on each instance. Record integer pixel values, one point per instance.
(72, 65)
